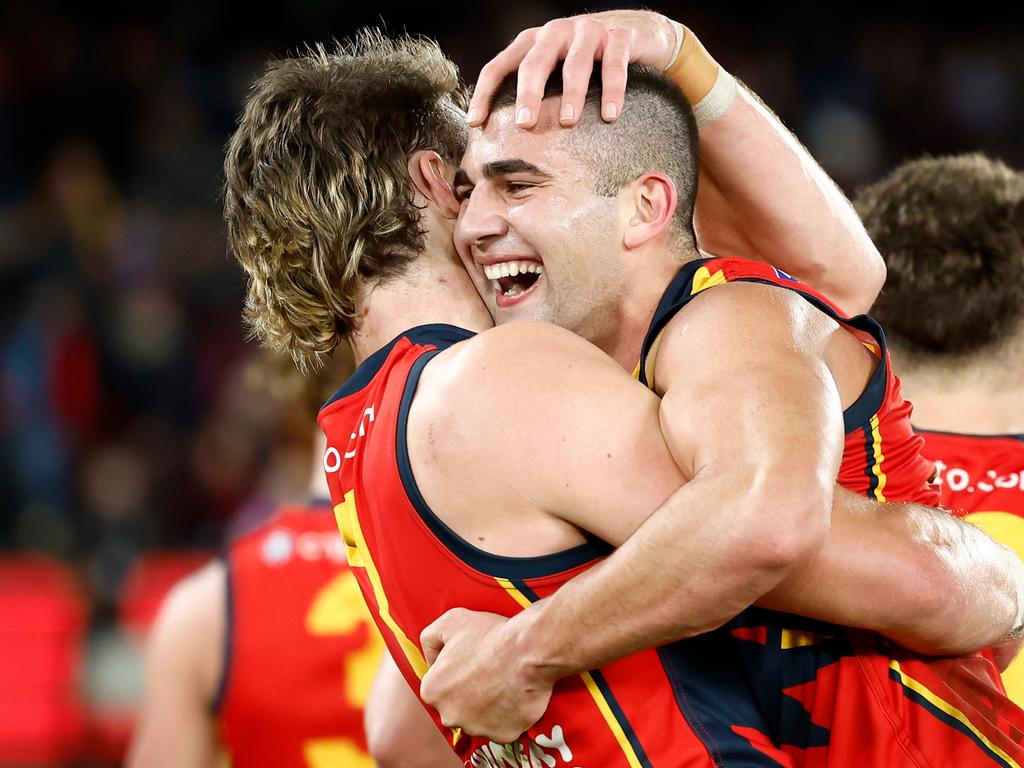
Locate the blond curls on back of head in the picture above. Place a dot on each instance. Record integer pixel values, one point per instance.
(317, 198)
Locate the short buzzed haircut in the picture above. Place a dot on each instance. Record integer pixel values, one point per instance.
(951, 231)
(656, 132)
(318, 199)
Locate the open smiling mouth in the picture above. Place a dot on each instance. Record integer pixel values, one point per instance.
(513, 278)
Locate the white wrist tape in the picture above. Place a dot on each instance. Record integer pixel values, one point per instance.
(719, 99)
(679, 42)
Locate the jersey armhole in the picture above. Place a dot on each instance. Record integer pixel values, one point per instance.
(476, 558)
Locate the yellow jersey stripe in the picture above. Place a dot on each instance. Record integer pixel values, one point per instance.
(609, 718)
(347, 510)
(799, 638)
(945, 707)
(592, 688)
(516, 595)
(876, 445)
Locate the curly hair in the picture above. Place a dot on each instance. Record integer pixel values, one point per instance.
(317, 197)
(951, 230)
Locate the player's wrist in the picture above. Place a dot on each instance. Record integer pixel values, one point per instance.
(709, 88)
(539, 650)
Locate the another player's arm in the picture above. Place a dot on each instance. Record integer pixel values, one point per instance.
(761, 194)
(399, 732)
(753, 418)
(182, 668)
(574, 437)
(948, 587)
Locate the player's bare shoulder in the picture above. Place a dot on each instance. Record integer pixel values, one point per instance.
(512, 398)
(724, 325)
(189, 631)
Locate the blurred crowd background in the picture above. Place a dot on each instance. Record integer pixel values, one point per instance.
(131, 423)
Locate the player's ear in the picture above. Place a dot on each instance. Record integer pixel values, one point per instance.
(651, 203)
(431, 177)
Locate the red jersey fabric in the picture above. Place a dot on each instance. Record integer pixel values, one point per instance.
(981, 477)
(840, 697)
(301, 650)
(879, 437)
(412, 568)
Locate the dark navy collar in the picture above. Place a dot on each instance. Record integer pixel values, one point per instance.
(440, 335)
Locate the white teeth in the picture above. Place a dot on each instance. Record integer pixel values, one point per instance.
(512, 269)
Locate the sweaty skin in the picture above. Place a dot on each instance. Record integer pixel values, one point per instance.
(779, 479)
(914, 543)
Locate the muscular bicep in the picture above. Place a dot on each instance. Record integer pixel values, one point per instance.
(746, 390)
(549, 435)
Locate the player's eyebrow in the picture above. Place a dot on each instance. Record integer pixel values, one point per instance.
(500, 168)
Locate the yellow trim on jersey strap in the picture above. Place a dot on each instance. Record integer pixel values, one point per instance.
(799, 638)
(648, 360)
(610, 719)
(516, 595)
(703, 279)
(588, 680)
(876, 445)
(355, 534)
(944, 706)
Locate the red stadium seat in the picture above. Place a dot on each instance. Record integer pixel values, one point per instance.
(42, 625)
(111, 722)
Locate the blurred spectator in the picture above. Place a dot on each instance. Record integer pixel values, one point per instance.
(126, 422)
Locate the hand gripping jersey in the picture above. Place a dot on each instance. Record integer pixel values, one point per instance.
(300, 651)
(665, 708)
(840, 697)
(981, 477)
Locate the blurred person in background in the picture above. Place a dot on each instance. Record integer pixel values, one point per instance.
(267, 654)
(951, 230)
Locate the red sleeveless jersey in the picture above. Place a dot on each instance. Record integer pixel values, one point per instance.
(300, 650)
(670, 707)
(840, 697)
(981, 477)
(882, 455)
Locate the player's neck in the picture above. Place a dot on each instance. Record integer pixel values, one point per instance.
(640, 297)
(435, 292)
(317, 479)
(982, 398)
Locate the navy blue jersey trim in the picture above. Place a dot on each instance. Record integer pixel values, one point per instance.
(513, 568)
(677, 295)
(605, 689)
(971, 435)
(671, 302)
(525, 590)
(869, 463)
(440, 335)
(217, 702)
(952, 722)
(620, 717)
